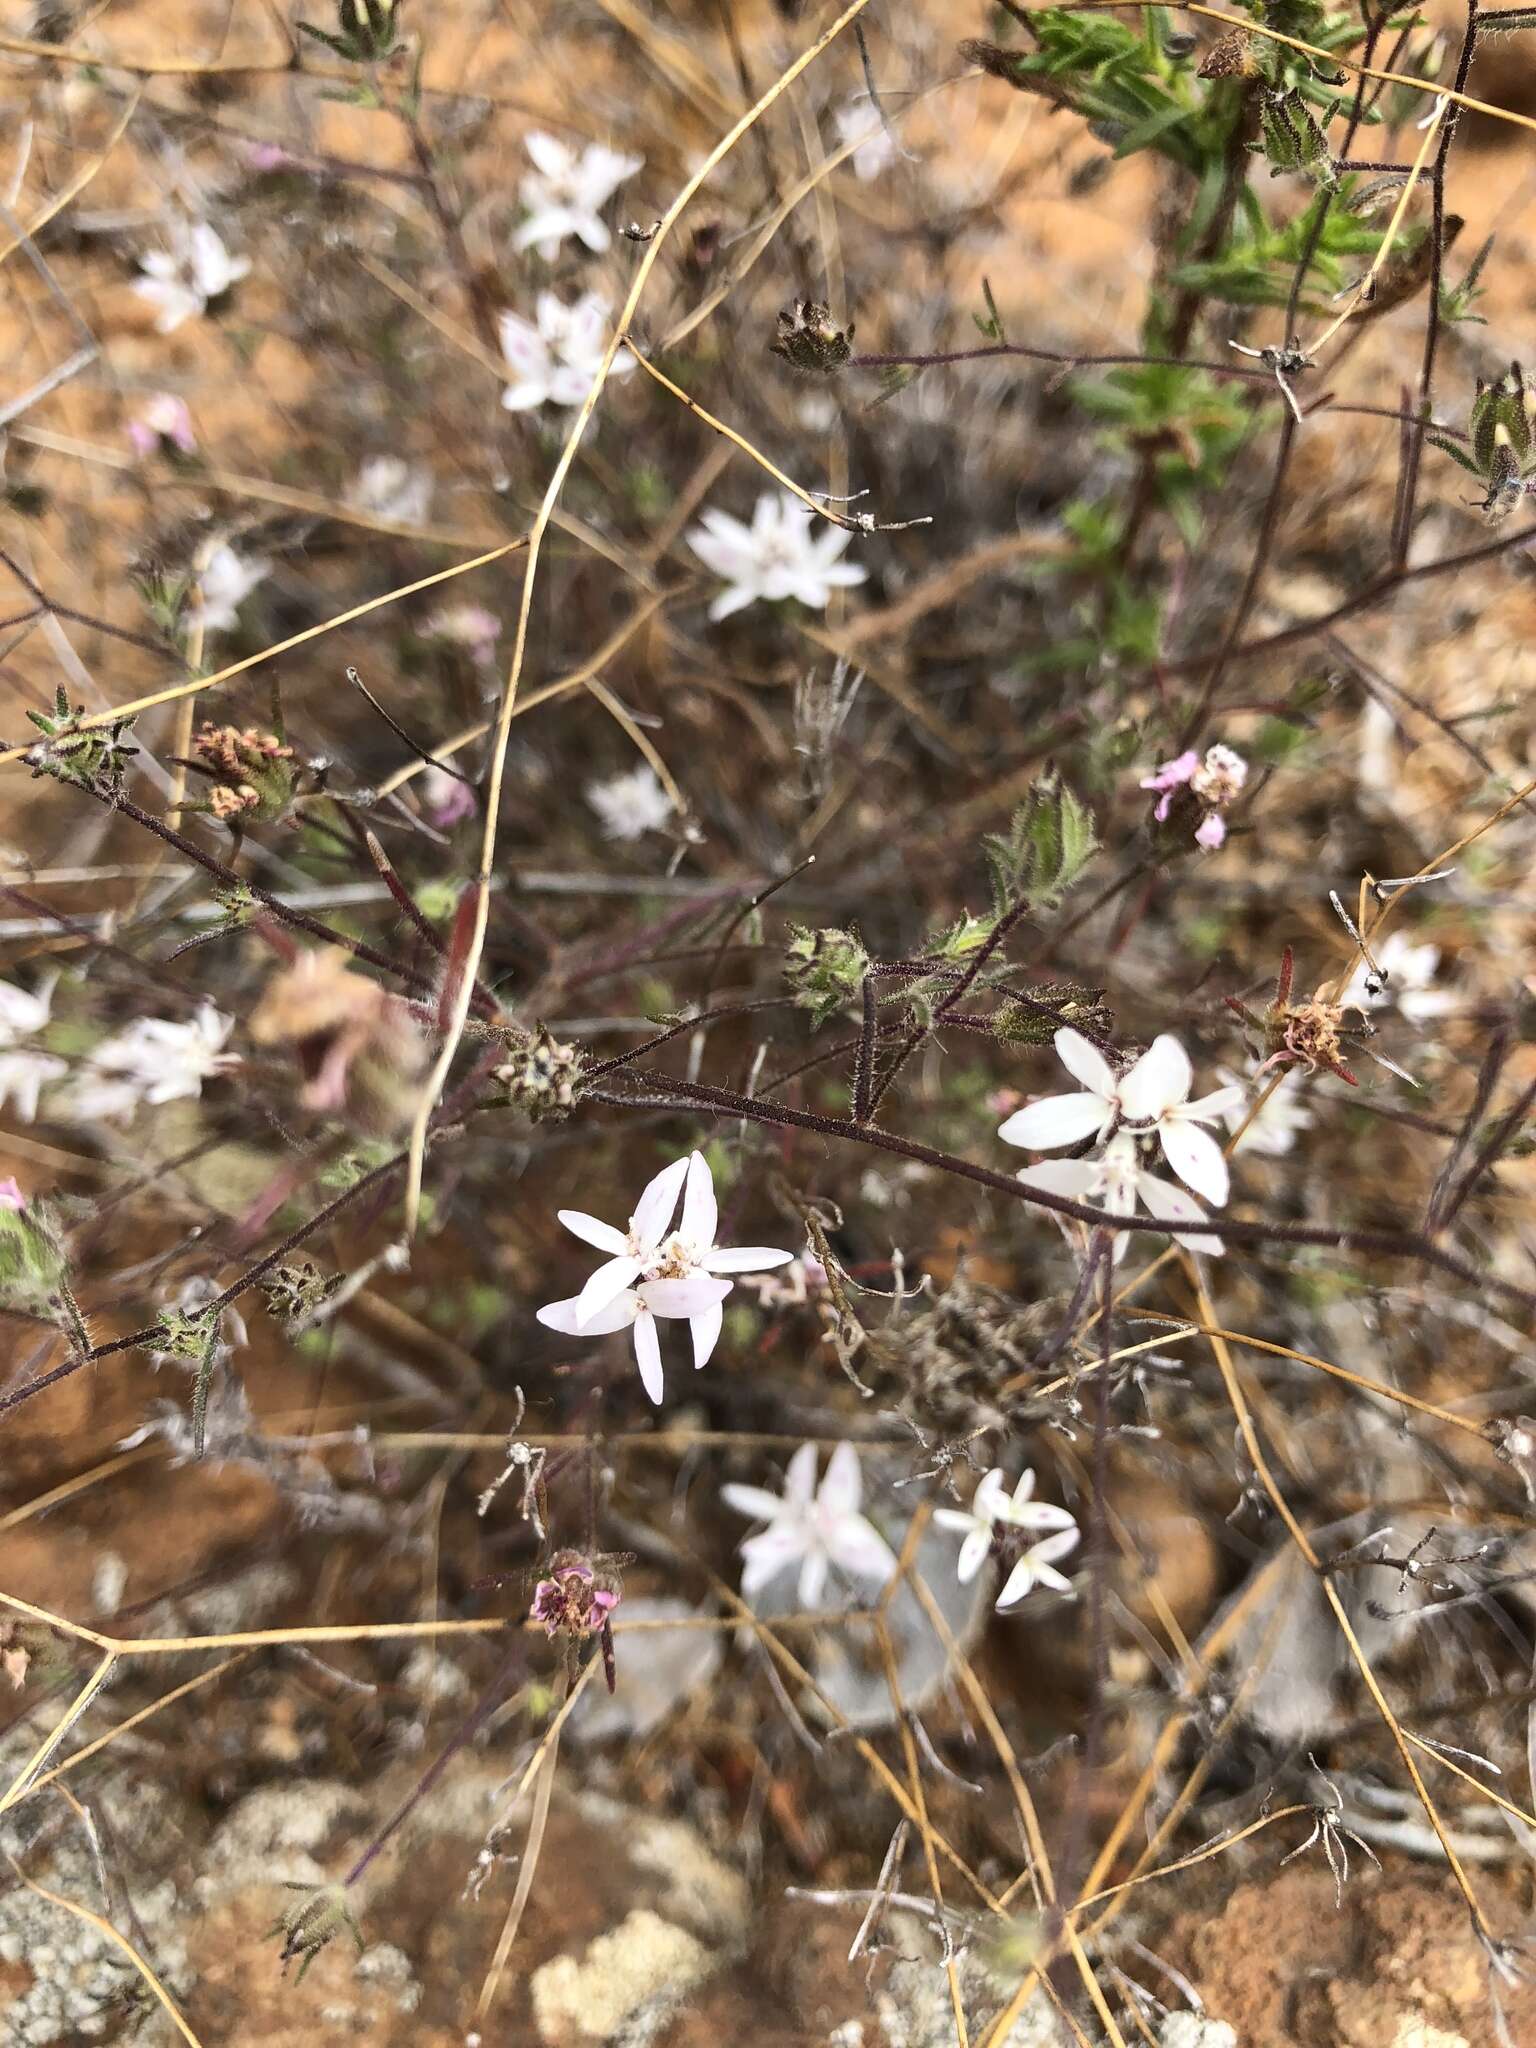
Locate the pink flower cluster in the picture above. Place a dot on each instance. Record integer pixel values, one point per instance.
(1214, 779)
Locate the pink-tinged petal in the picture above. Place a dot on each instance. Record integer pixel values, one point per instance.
(523, 397)
(755, 1501)
(1196, 1158)
(1171, 1205)
(1043, 1515)
(1161, 1078)
(800, 1477)
(813, 1578)
(648, 1356)
(1056, 1120)
(653, 1211)
(678, 1299)
(605, 1285)
(974, 1552)
(859, 1549)
(1084, 1062)
(522, 345)
(843, 1487)
(704, 1328)
(745, 1258)
(1211, 832)
(601, 1236)
(701, 1212)
(561, 1316)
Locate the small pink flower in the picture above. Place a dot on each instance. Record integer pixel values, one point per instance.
(1173, 775)
(11, 1196)
(571, 1602)
(1211, 832)
(445, 799)
(266, 156)
(164, 418)
(469, 626)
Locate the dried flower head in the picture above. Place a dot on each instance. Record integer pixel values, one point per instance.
(573, 1601)
(542, 1076)
(296, 1288)
(809, 340)
(255, 771)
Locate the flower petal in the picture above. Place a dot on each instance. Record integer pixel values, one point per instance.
(1084, 1062)
(601, 1236)
(813, 1577)
(704, 1328)
(1161, 1078)
(648, 1356)
(974, 1552)
(745, 1258)
(561, 1316)
(843, 1487)
(1077, 1179)
(1171, 1205)
(608, 1282)
(1018, 1585)
(858, 1548)
(653, 1211)
(991, 1496)
(701, 1212)
(800, 1476)
(688, 1297)
(755, 1501)
(1056, 1120)
(767, 1554)
(1196, 1158)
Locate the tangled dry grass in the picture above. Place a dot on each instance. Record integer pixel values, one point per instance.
(426, 814)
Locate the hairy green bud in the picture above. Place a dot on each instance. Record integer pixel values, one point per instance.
(825, 969)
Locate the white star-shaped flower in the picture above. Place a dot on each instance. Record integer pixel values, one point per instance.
(1152, 1096)
(632, 804)
(654, 1271)
(1273, 1130)
(152, 1060)
(389, 487)
(781, 554)
(816, 1527)
(555, 356)
(876, 152)
(226, 581)
(181, 281)
(25, 1071)
(993, 1510)
(1408, 972)
(565, 193)
(1114, 1180)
